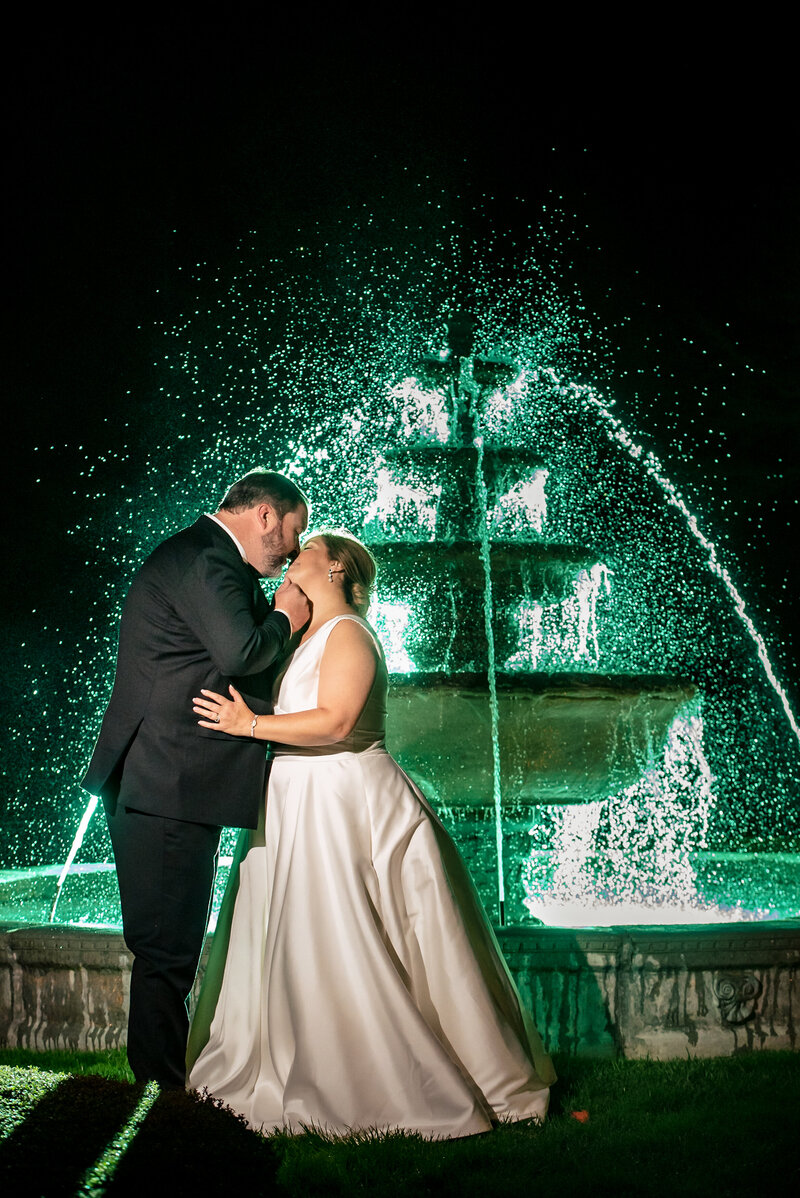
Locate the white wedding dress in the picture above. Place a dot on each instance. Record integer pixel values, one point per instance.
(354, 980)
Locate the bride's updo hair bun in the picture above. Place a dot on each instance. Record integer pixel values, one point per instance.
(358, 564)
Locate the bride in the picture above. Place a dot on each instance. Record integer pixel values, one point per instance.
(354, 980)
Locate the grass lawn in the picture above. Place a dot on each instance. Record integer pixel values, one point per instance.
(73, 1123)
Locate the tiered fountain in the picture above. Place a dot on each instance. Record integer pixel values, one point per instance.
(466, 571)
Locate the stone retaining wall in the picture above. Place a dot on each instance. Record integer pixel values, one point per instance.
(634, 992)
(661, 992)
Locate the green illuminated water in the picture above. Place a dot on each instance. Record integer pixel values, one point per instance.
(606, 595)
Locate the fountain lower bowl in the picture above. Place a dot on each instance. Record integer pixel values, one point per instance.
(731, 888)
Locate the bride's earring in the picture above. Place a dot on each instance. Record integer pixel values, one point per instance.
(330, 573)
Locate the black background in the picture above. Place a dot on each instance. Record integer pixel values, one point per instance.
(135, 153)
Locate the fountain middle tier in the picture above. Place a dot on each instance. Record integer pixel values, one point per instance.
(441, 589)
(572, 738)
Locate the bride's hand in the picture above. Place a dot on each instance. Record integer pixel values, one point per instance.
(224, 715)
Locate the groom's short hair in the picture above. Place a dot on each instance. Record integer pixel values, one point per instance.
(264, 486)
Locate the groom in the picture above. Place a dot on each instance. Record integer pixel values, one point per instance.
(195, 617)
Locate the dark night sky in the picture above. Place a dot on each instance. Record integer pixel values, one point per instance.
(126, 165)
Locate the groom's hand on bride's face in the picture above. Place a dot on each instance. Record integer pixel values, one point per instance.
(290, 600)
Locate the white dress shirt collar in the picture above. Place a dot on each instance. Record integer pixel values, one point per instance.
(232, 536)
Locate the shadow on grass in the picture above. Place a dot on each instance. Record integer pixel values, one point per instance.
(63, 1135)
(725, 1125)
(185, 1145)
(191, 1145)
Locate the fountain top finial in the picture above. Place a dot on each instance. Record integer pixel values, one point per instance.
(460, 333)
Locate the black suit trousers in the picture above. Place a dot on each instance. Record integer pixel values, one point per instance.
(166, 870)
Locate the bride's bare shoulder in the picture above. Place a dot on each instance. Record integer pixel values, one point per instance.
(351, 631)
(350, 663)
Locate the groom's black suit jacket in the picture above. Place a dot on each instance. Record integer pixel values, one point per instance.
(195, 617)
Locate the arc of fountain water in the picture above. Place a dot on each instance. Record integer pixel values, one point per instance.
(616, 431)
(89, 811)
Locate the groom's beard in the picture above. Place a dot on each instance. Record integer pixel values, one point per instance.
(274, 554)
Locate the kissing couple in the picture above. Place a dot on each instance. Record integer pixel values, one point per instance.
(354, 980)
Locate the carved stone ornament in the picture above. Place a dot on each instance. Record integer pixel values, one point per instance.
(737, 996)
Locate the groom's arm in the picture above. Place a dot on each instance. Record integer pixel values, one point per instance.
(216, 601)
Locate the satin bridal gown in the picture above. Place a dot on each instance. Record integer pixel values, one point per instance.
(354, 980)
